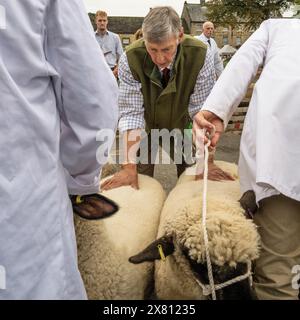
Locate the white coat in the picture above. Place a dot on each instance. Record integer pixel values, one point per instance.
(270, 143)
(52, 73)
(213, 47)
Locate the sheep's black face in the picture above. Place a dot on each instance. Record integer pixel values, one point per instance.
(238, 291)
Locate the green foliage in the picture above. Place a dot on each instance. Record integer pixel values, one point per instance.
(250, 13)
(92, 18)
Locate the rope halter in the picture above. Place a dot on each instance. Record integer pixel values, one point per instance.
(211, 288)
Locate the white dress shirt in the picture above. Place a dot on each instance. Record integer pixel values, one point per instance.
(111, 46)
(56, 93)
(270, 143)
(218, 63)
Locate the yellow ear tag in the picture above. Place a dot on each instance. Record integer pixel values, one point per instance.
(161, 252)
(78, 200)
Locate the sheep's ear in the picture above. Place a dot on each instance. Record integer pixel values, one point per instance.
(152, 252)
(248, 203)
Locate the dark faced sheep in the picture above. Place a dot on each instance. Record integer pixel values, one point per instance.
(233, 241)
(105, 245)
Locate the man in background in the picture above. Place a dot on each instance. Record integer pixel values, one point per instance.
(206, 37)
(109, 42)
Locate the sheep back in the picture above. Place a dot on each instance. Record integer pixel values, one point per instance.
(105, 245)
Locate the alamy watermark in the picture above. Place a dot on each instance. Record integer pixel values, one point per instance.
(296, 278)
(2, 278)
(158, 146)
(2, 18)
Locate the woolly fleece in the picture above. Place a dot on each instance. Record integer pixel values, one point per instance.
(104, 246)
(232, 238)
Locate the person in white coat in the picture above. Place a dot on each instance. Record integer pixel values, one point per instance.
(56, 93)
(206, 37)
(270, 146)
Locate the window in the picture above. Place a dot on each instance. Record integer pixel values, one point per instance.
(125, 41)
(238, 41)
(225, 40)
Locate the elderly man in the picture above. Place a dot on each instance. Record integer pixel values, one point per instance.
(109, 42)
(206, 36)
(164, 80)
(56, 92)
(270, 146)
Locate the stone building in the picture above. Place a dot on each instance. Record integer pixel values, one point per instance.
(194, 15)
(125, 27)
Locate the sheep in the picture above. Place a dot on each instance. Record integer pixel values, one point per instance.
(105, 245)
(233, 240)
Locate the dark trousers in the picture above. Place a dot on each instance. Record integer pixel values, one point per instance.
(147, 166)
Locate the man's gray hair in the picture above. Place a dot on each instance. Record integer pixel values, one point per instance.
(160, 24)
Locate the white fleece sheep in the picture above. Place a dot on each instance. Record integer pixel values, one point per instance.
(104, 246)
(232, 238)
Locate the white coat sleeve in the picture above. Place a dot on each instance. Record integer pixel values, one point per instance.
(233, 83)
(86, 93)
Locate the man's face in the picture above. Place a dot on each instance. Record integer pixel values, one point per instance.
(101, 23)
(208, 30)
(162, 54)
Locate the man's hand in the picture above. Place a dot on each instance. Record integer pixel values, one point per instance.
(128, 176)
(212, 123)
(215, 173)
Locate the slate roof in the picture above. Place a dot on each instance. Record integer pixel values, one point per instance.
(124, 25)
(121, 25)
(196, 12)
